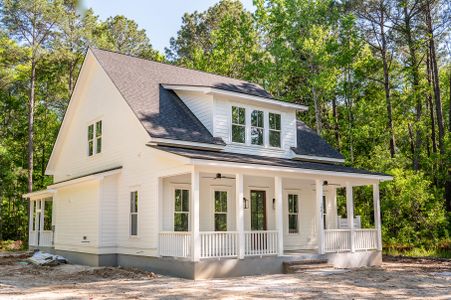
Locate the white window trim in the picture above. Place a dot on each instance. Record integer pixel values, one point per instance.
(248, 112)
(213, 208)
(180, 186)
(269, 129)
(287, 212)
(130, 214)
(94, 139)
(246, 117)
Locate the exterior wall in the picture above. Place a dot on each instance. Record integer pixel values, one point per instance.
(201, 105)
(77, 216)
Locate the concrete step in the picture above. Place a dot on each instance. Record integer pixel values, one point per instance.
(305, 265)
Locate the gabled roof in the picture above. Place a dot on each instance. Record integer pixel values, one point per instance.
(311, 144)
(162, 113)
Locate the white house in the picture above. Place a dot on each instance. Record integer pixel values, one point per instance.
(193, 174)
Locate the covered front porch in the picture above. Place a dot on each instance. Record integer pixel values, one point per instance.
(215, 211)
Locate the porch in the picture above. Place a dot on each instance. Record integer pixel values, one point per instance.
(41, 229)
(208, 215)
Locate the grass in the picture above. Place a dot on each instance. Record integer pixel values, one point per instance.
(440, 250)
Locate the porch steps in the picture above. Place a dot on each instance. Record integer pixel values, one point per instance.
(296, 266)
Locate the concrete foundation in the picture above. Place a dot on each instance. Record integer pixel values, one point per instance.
(356, 259)
(215, 268)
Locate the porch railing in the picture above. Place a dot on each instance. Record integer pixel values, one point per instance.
(218, 244)
(365, 239)
(339, 240)
(45, 238)
(260, 242)
(176, 244)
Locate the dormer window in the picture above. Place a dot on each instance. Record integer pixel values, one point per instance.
(274, 130)
(257, 127)
(238, 125)
(95, 138)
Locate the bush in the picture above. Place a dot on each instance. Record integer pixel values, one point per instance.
(10, 245)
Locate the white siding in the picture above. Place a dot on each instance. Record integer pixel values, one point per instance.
(201, 105)
(77, 216)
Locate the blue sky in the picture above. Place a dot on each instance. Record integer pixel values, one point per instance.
(160, 18)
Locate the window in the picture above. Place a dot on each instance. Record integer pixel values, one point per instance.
(324, 211)
(95, 138)
(220, 211)
(274, 130)
(134, 213)
(48, 214)
(257, 127)
(293, 212)
(181, 210)
(238, 125)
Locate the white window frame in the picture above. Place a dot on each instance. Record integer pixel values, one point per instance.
(220, 189)
(237, 124)
(133, 213)
(95, 139)
(258, 127)
(297, 193)
(275, 130)
(181, 187)
(248, 112)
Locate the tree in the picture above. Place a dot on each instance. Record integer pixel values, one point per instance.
(32, 22)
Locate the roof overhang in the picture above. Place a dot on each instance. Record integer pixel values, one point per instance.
(244, 96)
(86, 178)
(216, 163)
(318, 159)
(185, 144)
(39, 194)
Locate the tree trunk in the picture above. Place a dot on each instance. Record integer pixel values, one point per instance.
(387, 85)
(431, 104)
(31, 124)
(336, 125)
(435, 80)
(318, 122)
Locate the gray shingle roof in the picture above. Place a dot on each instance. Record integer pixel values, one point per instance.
(161, 112)
(262, 160)
(310, 143)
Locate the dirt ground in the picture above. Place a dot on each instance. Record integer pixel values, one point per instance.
(397, 278)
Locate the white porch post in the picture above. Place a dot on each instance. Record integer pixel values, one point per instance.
(350, 214)
(31, 235)
(279, 212)
(195, 243)
(158, 184)
(377, 215)
(240, 213)
(319, 216)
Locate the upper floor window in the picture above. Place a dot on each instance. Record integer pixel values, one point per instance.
(95, 138)
(274, 130)
(238, 124)
(257, 127)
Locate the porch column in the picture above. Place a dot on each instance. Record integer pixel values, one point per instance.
(377, 215)
(350, 214)
(31, 222)
(319, 216)
(239, 207)
(195, 244)
(279, 212)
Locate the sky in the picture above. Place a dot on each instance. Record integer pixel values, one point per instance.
(160, 18)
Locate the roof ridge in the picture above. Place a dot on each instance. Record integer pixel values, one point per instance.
(175, 66)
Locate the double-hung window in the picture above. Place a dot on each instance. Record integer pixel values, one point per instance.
(274, 130)
(95, 138)
(238, 124)
(293, 213)
(181, 210)
(257, 127)
(134, 213)
(220, 211)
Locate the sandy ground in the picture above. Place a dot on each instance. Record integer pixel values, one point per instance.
(397, 278)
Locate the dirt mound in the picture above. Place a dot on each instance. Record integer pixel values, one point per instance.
(115, 273)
